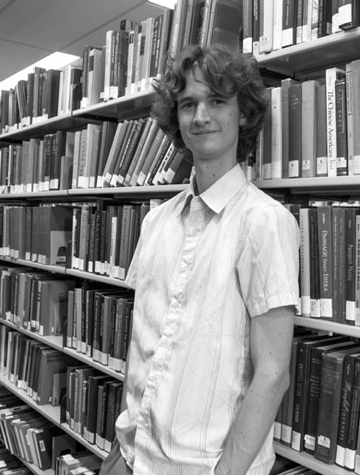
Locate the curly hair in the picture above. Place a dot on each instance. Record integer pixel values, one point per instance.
(227, 73)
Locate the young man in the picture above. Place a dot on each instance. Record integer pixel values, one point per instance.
(216, 280)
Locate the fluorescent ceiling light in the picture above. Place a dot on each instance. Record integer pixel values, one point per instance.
(53, 61)
(164, 3)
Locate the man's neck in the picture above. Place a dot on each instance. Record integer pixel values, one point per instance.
(207, 173)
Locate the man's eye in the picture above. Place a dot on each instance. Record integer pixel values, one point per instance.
(187, 105)
(217, 101)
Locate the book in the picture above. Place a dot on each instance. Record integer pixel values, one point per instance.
(266, 131)
(276, 132)
(309, 132)
(321, 145)
(345, 403)
(256, 27)
(332, 75)
(338, 342)
(357, 270)
(113, 411)
(354, 116)
(277, 24)
(338, 269)
(285, 84)
(287, 406)
(350, 243)
(151, 154)
(153, 129)
(325, 261)
(288, 36)
(225, 23)
(305, 261)
(109, 166)
(51, 361)
(266, 26)
(329, 405)
(301, 391)
(349, 14)
(247, 40)
(315, 310)
(295, 130)
(341, 128)
(352, 434)
(107, 137)
(54, 302)
(129, 152)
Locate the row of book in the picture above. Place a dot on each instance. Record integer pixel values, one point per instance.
(97, 237)
(99, 321)
(310, 128)
(93, 403)
(11, 465)
(31, 366)
(89, 400)
(93, 319)
(34, 301)
(27, 436)
(276, 24)
(36, 233)
(130, 153)
(130, 56)
(104, 236)
(329, 262)
(133, 55)
(319, 413)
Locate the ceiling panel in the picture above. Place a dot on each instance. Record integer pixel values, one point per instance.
(31, 29)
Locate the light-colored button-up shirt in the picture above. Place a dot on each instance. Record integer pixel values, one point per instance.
(204, 266)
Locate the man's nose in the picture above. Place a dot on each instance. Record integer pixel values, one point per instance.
(202, 114)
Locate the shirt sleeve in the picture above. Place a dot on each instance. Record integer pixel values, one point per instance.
(131, 275)
(268, 265)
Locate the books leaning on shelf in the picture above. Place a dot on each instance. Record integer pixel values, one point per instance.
(321, 116)
(320, 411)
(31, 366)
(130, 153)
(329, 264)
(93, 403)
(31, 437)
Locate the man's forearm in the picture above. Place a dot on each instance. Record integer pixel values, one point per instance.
(252, 424)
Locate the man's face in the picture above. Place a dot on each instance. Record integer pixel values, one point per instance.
(209, 124)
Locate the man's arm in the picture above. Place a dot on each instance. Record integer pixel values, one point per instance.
(271, 337)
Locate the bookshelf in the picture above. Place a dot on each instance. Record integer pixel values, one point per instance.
(299, 61)
(302, 62)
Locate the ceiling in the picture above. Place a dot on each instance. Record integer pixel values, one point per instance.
(33, 29)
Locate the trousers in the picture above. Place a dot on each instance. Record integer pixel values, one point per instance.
(114, 464)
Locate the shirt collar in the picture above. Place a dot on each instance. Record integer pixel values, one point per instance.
(221, 192)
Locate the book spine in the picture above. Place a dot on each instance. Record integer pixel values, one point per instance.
(295, 130)
(325, 261)
(308, 121)
(305, 262)
(350, 246)
(352, 436)
(332, 74)
(341, 128)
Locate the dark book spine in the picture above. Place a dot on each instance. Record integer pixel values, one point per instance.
(329, 408)
(341, 128)
(350, 242)
(352, 436)
(345, 403)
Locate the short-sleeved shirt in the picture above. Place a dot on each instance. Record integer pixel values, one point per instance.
(203, 268)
